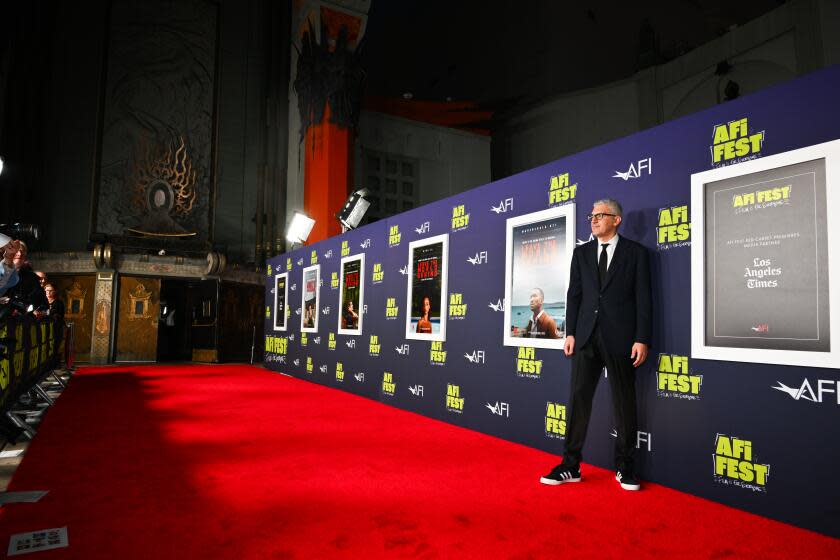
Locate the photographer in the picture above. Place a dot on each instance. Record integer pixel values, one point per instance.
(8, 273)
(28, 290)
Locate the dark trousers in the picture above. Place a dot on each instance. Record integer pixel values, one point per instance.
(587, 364)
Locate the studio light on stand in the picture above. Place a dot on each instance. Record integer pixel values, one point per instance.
(1, 165)
(354, 209)
(299, 229)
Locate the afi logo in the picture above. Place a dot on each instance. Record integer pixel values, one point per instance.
(292, 336)
(404, 270)
(424, 228)
(297, 362)
(323, 368)
(498, 306)
(328, 254)
(417, 390)
(317, 340)
(293, 287)
(806, 391)
(300, 261)
(281, 359)
(365, 244)
(635, 171)
(364, 309)
(351, 343)
(477, 357)
(500, 408)
(579, 242)
(762, 328)
(479, 258)
(297, 311)
(325, 310)
(402, 350)
(360, 377)
(645, 438)
(504, 206)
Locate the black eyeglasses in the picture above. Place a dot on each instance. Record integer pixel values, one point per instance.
(598, 216)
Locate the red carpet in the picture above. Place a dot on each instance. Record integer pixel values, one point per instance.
(237, 462)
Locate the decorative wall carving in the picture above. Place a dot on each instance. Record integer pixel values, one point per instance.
(156, 167)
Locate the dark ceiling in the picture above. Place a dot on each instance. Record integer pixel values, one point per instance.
(501, 53)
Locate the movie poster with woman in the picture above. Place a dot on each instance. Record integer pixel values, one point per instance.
(352, 295)
(426, 299)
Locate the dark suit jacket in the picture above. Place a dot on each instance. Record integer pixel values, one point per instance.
(622, 306)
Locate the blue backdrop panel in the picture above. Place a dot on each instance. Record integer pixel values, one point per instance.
(792, 435)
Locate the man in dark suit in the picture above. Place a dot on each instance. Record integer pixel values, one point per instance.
(608, 324)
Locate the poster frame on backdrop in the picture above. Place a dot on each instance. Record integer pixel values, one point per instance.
(566, 211)
(830, 153)
(317, 269)
(444, 293)
(283, 313)
(360, 308)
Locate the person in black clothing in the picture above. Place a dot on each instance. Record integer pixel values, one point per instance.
(608, 324)
(28, 289)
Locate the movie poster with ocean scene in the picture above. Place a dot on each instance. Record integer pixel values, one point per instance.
(539, 251)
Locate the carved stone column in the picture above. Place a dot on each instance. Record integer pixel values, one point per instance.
(103, 310)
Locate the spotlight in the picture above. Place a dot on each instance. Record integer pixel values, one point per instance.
(354, 209)
(300, 228)
(1, 165)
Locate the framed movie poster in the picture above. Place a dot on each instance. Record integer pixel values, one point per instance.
(426, 299)
(309, 299)
(764, 256)
(281, 296)
(537, 259)
(352, 295)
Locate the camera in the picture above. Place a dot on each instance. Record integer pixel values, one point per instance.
(21, 231)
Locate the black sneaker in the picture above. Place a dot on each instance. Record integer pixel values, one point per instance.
(561, 474)
(627, 479)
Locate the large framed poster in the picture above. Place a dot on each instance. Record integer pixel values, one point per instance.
(281, 296)
(352, 295)
(309, 299)
(427, 292)
(538, 254)
(763, 260)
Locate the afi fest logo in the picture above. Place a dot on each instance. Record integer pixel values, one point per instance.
(309, 365)
(391, 309)
(339, 372)
(641, 438)
(345, 248)
(313, 258)
(304, 339)
(504, 206)
(375, 346)
(559, 189)
(334, 281)
(674, 380)
(289, 263)
(498, 306)
(555, 420)
(331, 342)
(394, 236)
(733, 143)
(527, 364)
(276, 345)
(806, 392)
(735, 466)
(424, 228)
(643, 166)
(479, 258)
(499, 409)
(378, 273)
(416, 390)
(403, 350)
(673, 228)
(460, 218)
(454, 400)
(437, 355)
(388, 385)
(477, 357)
(457, 307)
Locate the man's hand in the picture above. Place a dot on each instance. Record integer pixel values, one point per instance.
(638, 354)
(569, 345)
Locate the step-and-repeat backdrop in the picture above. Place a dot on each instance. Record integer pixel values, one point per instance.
(431, 310)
